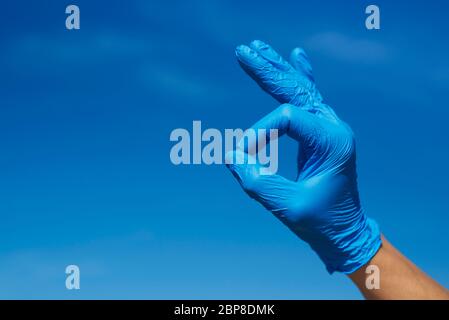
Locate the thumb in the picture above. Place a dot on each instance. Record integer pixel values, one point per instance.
(273, 191)
(243, 167)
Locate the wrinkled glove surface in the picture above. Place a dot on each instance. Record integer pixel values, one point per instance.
(322, 206)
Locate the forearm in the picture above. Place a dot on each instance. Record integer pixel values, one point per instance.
(399, 278)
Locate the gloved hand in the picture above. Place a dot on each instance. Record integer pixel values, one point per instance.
(322, 205)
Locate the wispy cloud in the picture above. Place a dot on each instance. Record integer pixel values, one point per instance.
(349, 49)
(175, 81)
(157, 71)
(36, 51)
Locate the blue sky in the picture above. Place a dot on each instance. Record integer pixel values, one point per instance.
(85, 119)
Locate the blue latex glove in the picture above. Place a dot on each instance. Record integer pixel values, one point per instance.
(322, 205)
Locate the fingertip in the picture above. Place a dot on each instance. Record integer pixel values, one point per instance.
(294, 54)
(298, 51)
(257, 44)
(240, 156)
(229, 158)
(239, 49)
(298, 55)
(245, 54)
(235, 162)
(251, 61)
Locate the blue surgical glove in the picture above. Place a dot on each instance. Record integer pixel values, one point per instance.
(322, 205)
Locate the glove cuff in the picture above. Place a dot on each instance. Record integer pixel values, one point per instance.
(356, 251)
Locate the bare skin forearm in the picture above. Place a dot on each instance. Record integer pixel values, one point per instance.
(399, 278)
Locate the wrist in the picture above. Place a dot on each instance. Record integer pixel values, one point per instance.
(351, 247)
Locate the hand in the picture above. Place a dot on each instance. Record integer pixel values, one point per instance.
(322, 205)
